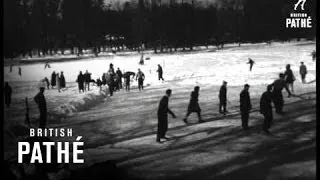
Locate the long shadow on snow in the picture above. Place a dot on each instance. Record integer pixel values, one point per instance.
(231, 133)
(151, 129)
(266, 155)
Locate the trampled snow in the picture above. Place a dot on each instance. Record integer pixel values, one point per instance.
(201, 67)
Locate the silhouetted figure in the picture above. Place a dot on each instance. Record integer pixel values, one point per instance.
(46, 80)
(7, 94)
(119, 78)
(41, 101)
(110, 83)
(47, 65)
(140, 77)
(53, 79)
(245, 106)
(87, 79)
(20, 72)
(266, 108)
(277, 97)
(251, 62)
(160, 72)
(104, 80)
(111, 78)
(223, 98)
(289, 77)
(116, 82)
(194, 105)
(314, 55)
(99, 83)
(303, 72)
(141, 62)
(62, 80)
(58, 82)
(163, 111)
(80, 81)
(127, 76)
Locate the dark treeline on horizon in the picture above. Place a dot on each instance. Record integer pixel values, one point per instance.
(46, 27)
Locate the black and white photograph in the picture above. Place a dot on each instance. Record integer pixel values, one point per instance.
(159, 89)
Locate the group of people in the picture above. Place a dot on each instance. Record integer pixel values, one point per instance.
(57, 80)
(273, 94)
(83, 81)
(113, 79)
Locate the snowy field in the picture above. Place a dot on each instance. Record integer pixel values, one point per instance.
(124, 125)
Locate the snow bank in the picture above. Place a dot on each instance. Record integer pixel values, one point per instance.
(80, 103)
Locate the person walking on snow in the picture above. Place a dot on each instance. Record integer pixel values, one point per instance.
(119, 78)
(266, 108)
(194, 105)
(251, 62)
(7, 94)
(62, 80)
(277, 97)
(20, 72)
(46, 80)
(80, 81)
(140, 77)
(163, 111)
(160, 73)
(47, 65)
(53, 79)
(223, 98)
(87, 79)
(245, 106)
(58, 82)
(303, 72)
(127, 76)
(42, 105)
(289, 77)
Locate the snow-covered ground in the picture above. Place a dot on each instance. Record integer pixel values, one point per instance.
(108, 124)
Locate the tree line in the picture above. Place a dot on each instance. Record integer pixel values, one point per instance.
(47, 27)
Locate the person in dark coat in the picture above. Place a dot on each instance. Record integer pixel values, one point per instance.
(251, 62)
(277, 97)
(53, 79)
(223, 98)
(194, 105)
(41, 101)
(289, 77)
(163, 111)
(111, 80)
(119, 79)
(141, 62)
(58, 82)
(87, 79)
(245, 106)
(110, 83)
(46, 80)
(80, 81)
(266, 108)
(7, 94)
(314, 55)
(20, 72)
(104, 80)
(303, 72)
(140, 77)
(160, 72)
(99, 83)
(62, 80)
(127, 76)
